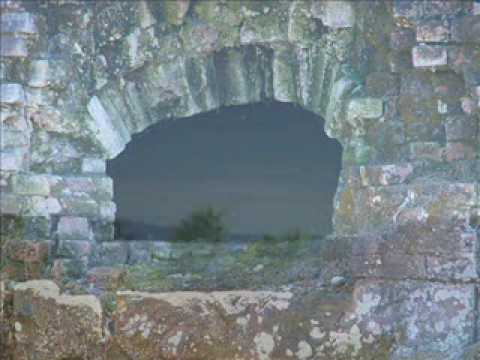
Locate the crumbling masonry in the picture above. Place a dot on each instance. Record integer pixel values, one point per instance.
(398, 84)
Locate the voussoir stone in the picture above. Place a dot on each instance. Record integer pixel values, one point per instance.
(103, 128)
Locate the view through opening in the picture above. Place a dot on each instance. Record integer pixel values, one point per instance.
(268, 168)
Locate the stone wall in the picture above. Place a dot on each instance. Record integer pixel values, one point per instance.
(398, 84)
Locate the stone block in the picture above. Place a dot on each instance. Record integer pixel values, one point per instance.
(28, 251)
(42, 206)
(466, 29)
(74, 228)
(389, 266)
(104, 230)
(10, 5)
(12, 94)
(13, 139)
(455, 151)
(402, 39)
(462, 267)
(36, 228)
(30, 184)
(440, 252)
(433, 31)
(25, 260)
(18, 23)
(93, 165)
(365, 108)
(11, 204)
(97, 187)
(284, 76)
(407, 13)
(302, 27)
(476, 8)
(446, 9)
(104, 130)
(334, 14)
(39, 74)
(400, 62)
(49, 325)
(106, 278)
(66, 270)
(429, 56)
(74, 249)
(111, 253)
(385, 175)
(436, 320)
(140, 251)
(262, 29)
(13, 118)
(469, 106)
(426, 151)
(176, 10)
(79, 206)
(11, 160)
(382, 84)
(13, 46)
(243, 337)
(461, 127)
(107, 210)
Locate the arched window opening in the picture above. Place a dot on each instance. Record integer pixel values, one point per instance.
(268, 169)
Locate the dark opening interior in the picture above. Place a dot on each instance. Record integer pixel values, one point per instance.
(268, 167)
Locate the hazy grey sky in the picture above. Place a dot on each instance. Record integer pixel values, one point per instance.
(270, 167)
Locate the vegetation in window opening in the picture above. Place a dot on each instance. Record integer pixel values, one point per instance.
(202, 224)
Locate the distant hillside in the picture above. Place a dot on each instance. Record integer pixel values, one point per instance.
(126, 229)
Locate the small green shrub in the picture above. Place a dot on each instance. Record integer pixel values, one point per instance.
(203, 224)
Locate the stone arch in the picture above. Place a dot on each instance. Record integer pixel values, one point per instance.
(408, 193)
(255, 163)
(275, 62)
(232, 76)
(147, 66)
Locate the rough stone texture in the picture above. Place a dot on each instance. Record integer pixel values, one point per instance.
(53, 326)
(397, 83)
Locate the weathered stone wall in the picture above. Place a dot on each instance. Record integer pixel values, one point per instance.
(398, 84)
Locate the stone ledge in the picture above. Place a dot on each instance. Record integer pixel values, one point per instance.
(50, 326)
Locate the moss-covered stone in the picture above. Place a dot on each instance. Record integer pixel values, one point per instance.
(224, 16)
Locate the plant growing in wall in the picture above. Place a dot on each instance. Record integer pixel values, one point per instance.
(202, 224)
